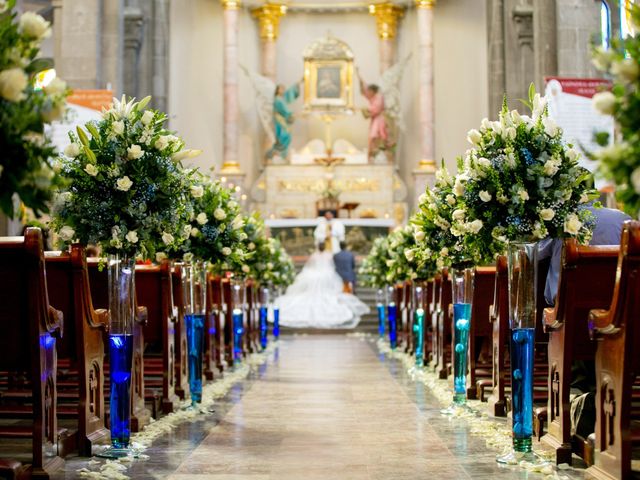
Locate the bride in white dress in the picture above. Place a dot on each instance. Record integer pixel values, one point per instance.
(316, 300)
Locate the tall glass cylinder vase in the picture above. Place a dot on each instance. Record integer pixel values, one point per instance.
(418, 323)
(238, 300)
(522, 271)
(276, 313)
(392, 316)
(264, 312)
(121, 279)
(382, 314)
(462, 298)
(194, 288)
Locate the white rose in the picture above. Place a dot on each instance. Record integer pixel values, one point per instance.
(539, 230)
(409, 254)
(497, 127)
(160, 256)
(484, 162)
(197, 191)
(72, 150)
(485, 124)
(551, 168)
(132, 236)
(162, 142)
(56, 86)
(33, 25)
(13, 82)
(246, 269)
(117, 127)
(458, 214)
(194, 232)
(124, 184)
(523, 194)
(572, 154)
(237, 223)
(251, 246)
(547, 214)
(219, 214)
(419, 235)
(474, 137)
(510, 133)
(146, 119)
(226, 251)
(458, 188)
(584, 198)
(572, 224)
(66, 233)
(451, 200)
(134, 152)
(188, 257)
(484, 196)
(475, 226)
(444, 252)
(635, 179)
(550, 126)
(91, 169)
(202, 218)
(604, 102)
(626, 70)
(186, 231)
(167, 238)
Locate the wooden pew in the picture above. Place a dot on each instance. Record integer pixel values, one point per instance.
(82, 342)
(250, 316)
(617, 333)
(443, 366)
(435, 317)
(98, 280)
(228, 312)
(28, 344)
(154, 290)
(586, 282)
(480, 332)
(180, 336)
(214, 339)
(499, 317)
(428, 285)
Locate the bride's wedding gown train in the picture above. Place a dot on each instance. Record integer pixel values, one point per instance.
(315, 299)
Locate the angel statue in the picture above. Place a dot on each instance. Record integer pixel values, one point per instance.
(383, 109)
(274, 109)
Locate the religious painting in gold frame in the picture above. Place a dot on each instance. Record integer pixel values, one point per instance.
(328, 76)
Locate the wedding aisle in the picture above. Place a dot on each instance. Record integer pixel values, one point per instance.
(323, 407)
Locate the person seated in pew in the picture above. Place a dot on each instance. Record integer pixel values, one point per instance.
(607, 231)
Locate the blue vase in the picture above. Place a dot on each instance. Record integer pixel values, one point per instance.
(382, 314)
(120, 357)
(195, 348)
(392, 312)
(238, 330)
(418, 329)
(264, 310)
(276, 322)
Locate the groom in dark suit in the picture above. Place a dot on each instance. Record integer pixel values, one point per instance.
(345, 263)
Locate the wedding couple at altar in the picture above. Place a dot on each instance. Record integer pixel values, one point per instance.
(320, 296)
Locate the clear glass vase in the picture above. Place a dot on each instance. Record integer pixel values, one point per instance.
(121, 279)
(419, 293)
(382, 314)
(276, 313)
(522, 272)
(264, 313)
(238, 300)
(194, 279)
(392, 316)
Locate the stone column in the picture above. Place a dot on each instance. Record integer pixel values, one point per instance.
(387, 16)
(424, 174)
(268, 16)
(231, 106)
(133, 23)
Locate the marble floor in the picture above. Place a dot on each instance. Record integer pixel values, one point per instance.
(326, 407)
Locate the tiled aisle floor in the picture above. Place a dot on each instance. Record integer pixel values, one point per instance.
(328, 408)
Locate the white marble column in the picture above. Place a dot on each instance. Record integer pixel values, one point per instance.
(424, 174)
(268, 16)
(387, 16)
(231, 104)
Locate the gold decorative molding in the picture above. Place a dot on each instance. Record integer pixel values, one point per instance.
(231, 168)
(425, 3)
(230, 4)
(387, 15)
(268, 16)
(427, 165)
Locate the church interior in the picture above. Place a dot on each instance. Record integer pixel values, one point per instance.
(333, 239)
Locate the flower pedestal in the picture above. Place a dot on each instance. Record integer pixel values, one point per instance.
(382, 314)
(522, 271)
(392, 317)
(264, 311)
(462, 298)
(418, 323)
(121, 280)
(194, 278)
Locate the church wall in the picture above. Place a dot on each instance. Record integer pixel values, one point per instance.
(578, 23)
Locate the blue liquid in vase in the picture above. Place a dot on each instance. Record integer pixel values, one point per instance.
(381, 319)
(120, 358)
(462, 323)
(195, 347)
(263, 327)
(276, 322)
(522, 351)
(391, 317)
(418, 329)
(238, 330)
